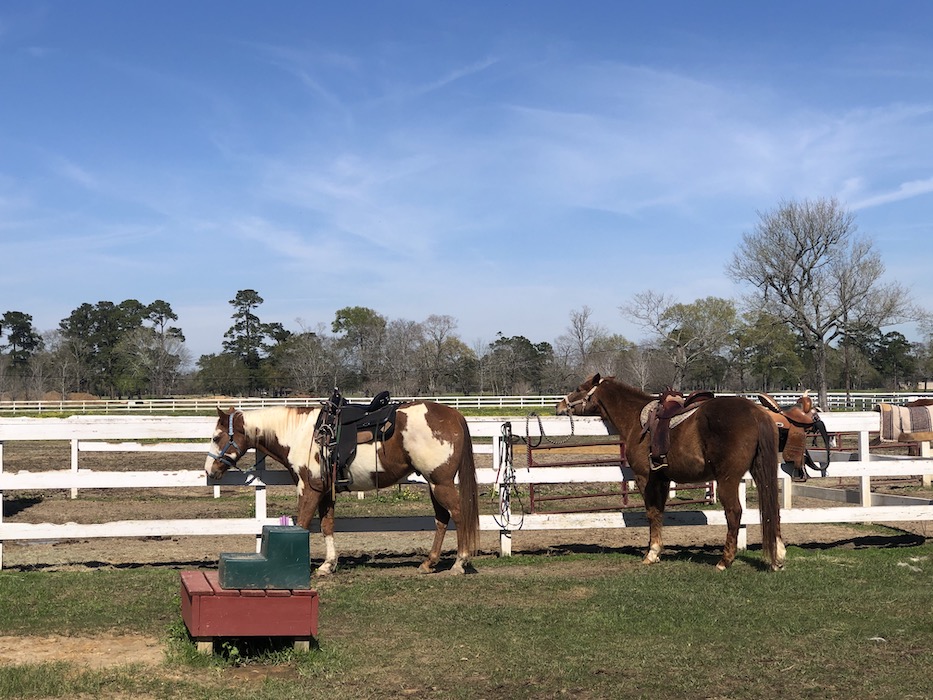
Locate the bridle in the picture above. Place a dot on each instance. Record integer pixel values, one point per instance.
(584, 400)
(223, 457)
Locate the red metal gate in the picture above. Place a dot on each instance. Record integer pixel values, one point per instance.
(535, 453)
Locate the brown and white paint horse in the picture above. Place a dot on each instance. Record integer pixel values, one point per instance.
(429, 439)
(724, 438)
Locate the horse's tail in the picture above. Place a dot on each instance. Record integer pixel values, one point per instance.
(468, 527)
(765, 473)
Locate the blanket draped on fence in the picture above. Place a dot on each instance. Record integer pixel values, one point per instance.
(905, 423)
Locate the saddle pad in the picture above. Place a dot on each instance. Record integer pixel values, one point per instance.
(675, 421)
(902, 423)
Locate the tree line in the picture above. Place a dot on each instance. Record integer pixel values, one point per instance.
(813, 316)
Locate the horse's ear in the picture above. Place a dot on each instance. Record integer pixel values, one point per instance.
(222, 413)
(596, 379)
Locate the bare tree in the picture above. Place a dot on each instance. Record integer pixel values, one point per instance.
(573, 348)
(309, 361)
(687, 333)
(401, 343)
(438, 332)
(639, 364)
(808, 265)
(154, 357)
(584, 333)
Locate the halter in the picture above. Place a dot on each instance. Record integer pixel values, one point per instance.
(223, 458)
(585, 400)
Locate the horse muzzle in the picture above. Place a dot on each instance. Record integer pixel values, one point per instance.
(215, 466)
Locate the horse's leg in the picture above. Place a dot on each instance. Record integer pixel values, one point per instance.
(326, 512)
(655, 489)
(781, 555)
(311, 500)
(732, 507)
(444, 498)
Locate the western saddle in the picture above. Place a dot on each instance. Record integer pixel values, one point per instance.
(794, 423)
(342, 426)
(660, 416)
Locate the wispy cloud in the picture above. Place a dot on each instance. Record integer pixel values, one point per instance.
(75, 173)
(452, 76)
(907, 190)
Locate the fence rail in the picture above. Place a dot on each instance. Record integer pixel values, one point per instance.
(97, 433)
(838, 401)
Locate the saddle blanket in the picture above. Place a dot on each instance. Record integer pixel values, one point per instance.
(675, 421)
(905, 424)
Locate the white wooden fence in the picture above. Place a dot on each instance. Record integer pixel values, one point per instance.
(836, 401)
(125, 433)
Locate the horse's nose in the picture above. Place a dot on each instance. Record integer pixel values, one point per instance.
(211, 468)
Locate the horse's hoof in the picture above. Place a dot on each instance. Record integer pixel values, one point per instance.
(324, 570)
(721, 566)
(425, 569)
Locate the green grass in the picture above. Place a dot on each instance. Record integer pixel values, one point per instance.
(838, 623)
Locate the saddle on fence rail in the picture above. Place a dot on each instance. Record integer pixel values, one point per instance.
(660, 416)
(343, 425)
(794, 423)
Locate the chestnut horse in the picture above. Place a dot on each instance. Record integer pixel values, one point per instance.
(429, 439)
(721, 440)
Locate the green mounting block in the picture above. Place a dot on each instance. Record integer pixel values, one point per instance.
(283, 562)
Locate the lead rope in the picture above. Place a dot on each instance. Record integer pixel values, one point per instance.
(541, 435)
(505, 477)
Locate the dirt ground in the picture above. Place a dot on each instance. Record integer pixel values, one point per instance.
(396, 548)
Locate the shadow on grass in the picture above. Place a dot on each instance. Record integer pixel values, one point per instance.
(879, 541)
(705, 554)
(14, 506)
(710, 554)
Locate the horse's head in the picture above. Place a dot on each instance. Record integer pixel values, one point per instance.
(228, 444)
(580, 401)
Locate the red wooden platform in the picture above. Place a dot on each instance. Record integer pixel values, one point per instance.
(210, 611)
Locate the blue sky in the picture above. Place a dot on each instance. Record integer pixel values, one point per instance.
(503, 163)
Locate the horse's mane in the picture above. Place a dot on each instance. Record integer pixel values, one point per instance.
(281, 421)
(628, 391)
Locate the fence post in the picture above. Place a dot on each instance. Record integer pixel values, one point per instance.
(742, 539)
(74, 464)
(505, 504)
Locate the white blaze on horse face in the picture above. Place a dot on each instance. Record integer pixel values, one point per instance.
(212, 449)
(427, 452)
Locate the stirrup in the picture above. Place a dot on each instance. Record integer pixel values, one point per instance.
(344, 481)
